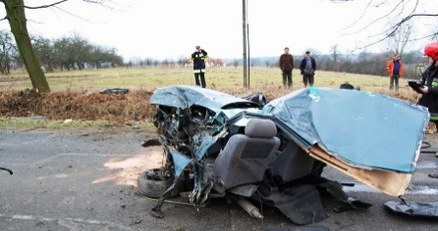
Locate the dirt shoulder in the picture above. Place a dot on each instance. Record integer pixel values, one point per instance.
(120, 108)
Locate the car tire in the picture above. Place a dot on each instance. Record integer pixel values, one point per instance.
(152, 184)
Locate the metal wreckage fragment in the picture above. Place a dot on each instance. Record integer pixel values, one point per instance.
(414, 209)
(218, 145)
(7, 170)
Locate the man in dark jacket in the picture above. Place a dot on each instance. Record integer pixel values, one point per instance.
(308, 68)
(428, 87)
(429, 82)
(199, 66)
(286, 65)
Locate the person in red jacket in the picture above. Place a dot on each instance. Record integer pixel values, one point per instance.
(395, 71)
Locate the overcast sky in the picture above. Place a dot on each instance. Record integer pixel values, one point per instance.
(172, 28)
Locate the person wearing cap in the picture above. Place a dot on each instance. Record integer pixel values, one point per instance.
(429, 82)
(198, 58)
(395, 70)
(286, 64)
(308, 68)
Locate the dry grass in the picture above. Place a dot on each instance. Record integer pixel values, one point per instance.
(75, 94)
(77, 106)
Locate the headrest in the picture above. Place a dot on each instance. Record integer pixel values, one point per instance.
(260, 128)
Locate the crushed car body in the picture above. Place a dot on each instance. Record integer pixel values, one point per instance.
(218, 145)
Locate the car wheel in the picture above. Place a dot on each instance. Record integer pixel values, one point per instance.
(152, 184)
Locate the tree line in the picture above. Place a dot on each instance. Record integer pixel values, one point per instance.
(75, 53)
(67, 53)
(362, 63)
(372, 63)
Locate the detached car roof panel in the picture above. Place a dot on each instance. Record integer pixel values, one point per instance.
(361, 128)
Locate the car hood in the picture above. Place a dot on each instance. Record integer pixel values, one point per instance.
(360, 128)
(186, 96)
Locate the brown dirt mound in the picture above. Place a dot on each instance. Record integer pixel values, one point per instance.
(133, 106)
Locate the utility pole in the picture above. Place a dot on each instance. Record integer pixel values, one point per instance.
(249, 56)
(245, 58)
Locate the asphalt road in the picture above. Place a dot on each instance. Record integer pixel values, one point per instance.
(85, 180)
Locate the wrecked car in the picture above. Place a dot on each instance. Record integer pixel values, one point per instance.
(254, 151)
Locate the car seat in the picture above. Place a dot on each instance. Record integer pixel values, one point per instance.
(245, 157)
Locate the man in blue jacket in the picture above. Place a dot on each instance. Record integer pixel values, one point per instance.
(307, 68)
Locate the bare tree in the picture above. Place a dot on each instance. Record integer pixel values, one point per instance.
(17, 20)
(236, 63)
(267, 63)
(399, 40)
(398, 14)
(7, 52)
(15, 14)
(335, 53)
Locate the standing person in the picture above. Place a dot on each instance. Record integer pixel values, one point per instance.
(308, 68)
(199, 66)
(395, 71)
(429, 82)
(286, 65)
(429, 86)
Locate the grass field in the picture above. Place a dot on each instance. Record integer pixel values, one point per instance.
(74, 95)
(227, 79)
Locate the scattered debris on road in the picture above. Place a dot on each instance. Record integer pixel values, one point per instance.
(7, 170)
(414, 209)
(115, 91)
